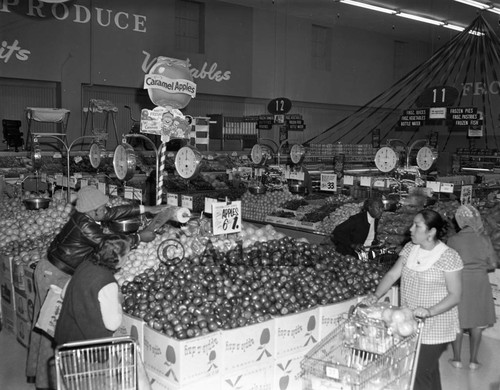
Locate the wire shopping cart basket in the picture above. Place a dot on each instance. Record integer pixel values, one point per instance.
(100, 364)
(359, 354)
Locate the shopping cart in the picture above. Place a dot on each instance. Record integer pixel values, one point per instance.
(361, 354)
(100, 364)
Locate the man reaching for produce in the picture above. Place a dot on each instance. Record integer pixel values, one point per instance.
(78, 239)
(359, 230)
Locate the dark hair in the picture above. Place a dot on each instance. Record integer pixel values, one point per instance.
(433, 220)
(371, 202)
(110, 250)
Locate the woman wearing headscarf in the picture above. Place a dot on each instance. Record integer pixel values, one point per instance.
(476, 309)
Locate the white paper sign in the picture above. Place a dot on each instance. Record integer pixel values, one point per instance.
(379, 183)
(172, 199)
(101, 187)
(365, 181)
(348, 180)
(84, 183)
(226, 218)
(437, 113)
(466, 194)
(447, 188)
(187, 201)
(435, 186)
(43, 178)
(328, 182)
(296, 176)
(208, 204)
(113, 190)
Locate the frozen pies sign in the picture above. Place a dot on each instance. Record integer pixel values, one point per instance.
(169, 83)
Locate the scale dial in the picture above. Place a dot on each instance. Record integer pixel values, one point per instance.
(95, 155)
(297, 153)
(188, 162)
(386, 159)
(124, 161)
(426, 157)
(257, 154)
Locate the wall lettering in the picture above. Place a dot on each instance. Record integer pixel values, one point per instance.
(206, 71)
(480, 88)
(8, 50)
(80, 14)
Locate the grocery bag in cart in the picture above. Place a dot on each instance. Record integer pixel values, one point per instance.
(365, 352)
(102, 364)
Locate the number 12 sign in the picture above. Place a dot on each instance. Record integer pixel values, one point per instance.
(226, 218)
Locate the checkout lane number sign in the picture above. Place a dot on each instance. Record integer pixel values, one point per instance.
(226, 218)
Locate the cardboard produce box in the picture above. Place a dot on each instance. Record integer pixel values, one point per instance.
(160, 383)
(133, 327)
(23, 328)
(6, 267)
(287, 372)
(296, 333)
(22, 309)
(7, 293)
(328, 315)
(9, 322)
(182, 361)
(258, 376)
(249, 345)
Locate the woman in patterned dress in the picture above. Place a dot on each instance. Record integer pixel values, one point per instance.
(431, 285)
(476, 309)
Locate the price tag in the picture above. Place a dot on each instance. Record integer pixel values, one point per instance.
(101, 187)
(435, 186)
(64, 181)
(208, 204)
(447, 188)
(365, 181)
(226, 218)
(296, 176)
(132, 193)
(379, 183)
(84, 183)
(348, 180)
(259, 171)
(187, 201)
(43, 178)
(78, 159)
(57, 155)
(113, 190)
(466, 195)
(172, 199)
(328, 182)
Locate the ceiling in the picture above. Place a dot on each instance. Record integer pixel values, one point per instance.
(333, 13)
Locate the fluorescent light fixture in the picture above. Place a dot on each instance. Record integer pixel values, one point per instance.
(494, 9)
(453, 27)
(420, 19)
(473, 3)
(369, 6)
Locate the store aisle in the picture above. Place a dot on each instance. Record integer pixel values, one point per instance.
(13, 356)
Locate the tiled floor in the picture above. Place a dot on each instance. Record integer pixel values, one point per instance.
(487, 377)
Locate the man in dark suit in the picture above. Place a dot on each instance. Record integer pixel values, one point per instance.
(360, 229)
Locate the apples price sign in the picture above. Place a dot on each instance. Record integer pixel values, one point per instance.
(226, 218)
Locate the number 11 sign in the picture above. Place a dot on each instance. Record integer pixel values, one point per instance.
(226, 218)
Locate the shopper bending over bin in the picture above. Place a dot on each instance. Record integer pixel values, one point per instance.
(78, 240)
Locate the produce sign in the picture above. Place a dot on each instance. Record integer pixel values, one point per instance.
(226, 218)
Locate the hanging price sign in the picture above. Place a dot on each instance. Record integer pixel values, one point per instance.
(435, 186)
(226, 218)
(208, 204)
(187, 201)
(295, 176)
(447, 188)
(172, 199)
(101, 187)
(84, 183)
(348, 180)
(466, 195)
(113, 190)
(365, 181)
(328, 182)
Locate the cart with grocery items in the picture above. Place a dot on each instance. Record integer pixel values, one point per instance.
(363, 353)
(100, 364)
